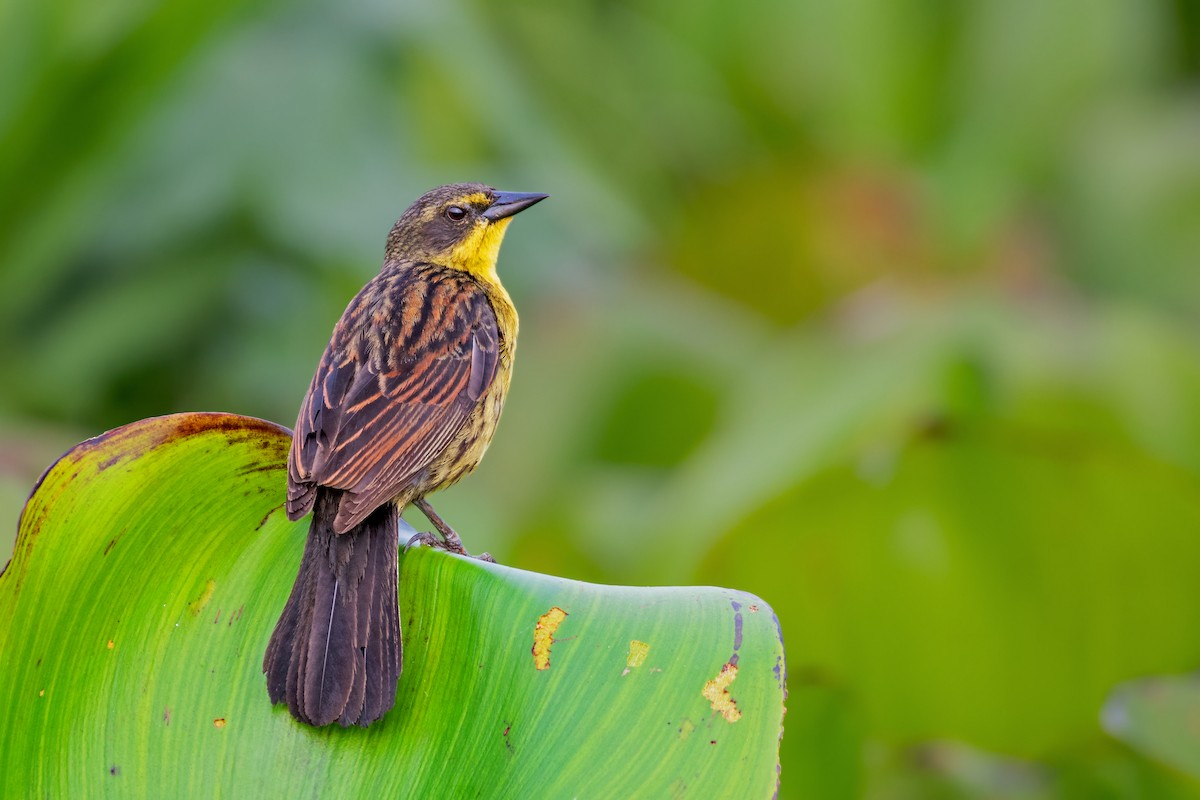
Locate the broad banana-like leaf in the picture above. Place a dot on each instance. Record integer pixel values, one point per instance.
(152, 563)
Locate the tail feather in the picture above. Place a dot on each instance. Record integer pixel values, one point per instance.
(336, 650)
(382, 651)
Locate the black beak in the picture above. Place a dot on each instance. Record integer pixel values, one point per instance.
(508, 203)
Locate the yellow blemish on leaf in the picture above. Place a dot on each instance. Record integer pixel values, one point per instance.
(543, 636)
(716, 692)
(219, 722)
(42, 693)
(637, 655)
(197, 605)
(111, 645)
(685, 729)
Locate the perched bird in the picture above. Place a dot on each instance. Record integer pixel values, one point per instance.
(404, 402)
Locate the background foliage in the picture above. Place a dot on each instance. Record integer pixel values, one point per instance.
(884, 311)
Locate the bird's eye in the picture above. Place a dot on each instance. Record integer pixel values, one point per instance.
(456, 213)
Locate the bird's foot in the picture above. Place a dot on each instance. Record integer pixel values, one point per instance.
(430, 539)
(447, 538)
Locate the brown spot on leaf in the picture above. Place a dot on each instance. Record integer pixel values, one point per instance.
(716, 692)
(137, 438)
(266, 517)
(543, 636)
(219, 722)
(242, 428)
(271, 467)
(197, 605)
(685, 729)
(637, 655)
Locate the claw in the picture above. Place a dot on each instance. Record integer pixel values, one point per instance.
(422, 538)
(449, 541)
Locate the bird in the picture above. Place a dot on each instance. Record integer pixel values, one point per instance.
(404, 401)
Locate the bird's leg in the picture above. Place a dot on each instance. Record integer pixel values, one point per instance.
(450, 541)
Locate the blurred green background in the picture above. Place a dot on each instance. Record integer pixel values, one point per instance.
(884, 310)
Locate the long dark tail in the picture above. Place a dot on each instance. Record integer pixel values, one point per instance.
(335, 652)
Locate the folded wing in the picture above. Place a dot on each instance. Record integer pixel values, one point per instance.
(382, 407)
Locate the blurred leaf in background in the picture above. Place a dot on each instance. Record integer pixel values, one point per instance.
(885, 311)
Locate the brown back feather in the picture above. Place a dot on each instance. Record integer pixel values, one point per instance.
(408, 361)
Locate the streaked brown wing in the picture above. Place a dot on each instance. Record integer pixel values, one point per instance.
(407, 363)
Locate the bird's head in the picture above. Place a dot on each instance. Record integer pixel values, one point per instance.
(460, 225)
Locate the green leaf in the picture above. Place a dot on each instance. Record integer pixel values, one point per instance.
(1157, 717)
(153, 561)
